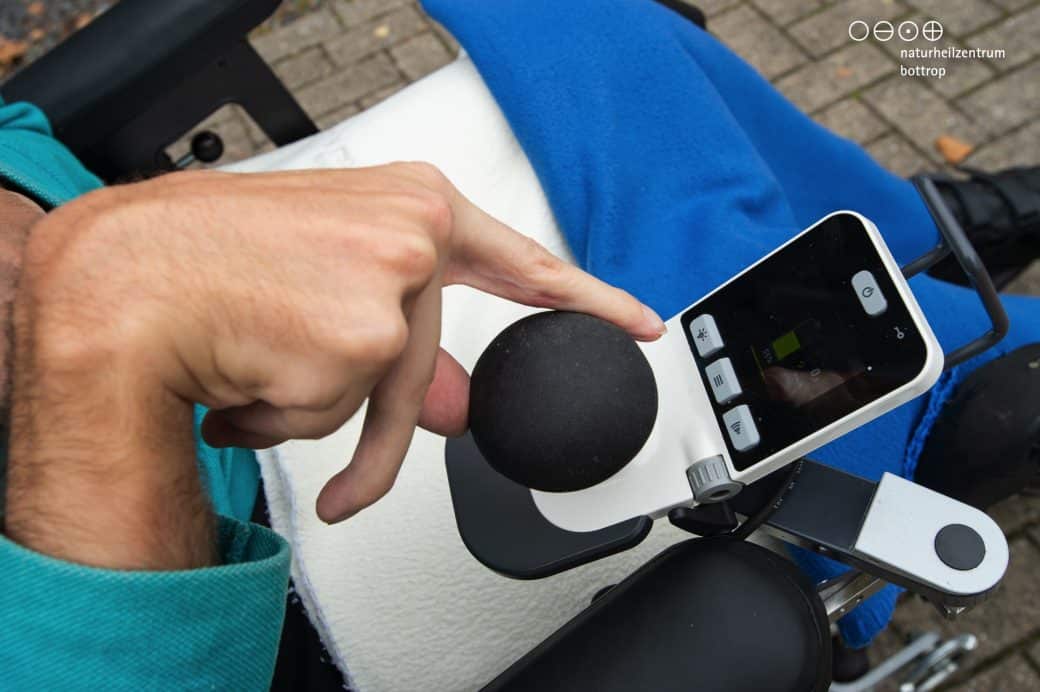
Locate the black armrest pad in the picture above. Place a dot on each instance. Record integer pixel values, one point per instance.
(705, 614)
(161, 41)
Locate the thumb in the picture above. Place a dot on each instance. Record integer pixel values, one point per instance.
(445, 409)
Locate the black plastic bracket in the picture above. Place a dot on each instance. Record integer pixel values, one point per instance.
(955, 240)
(822, 510)
(239, 76)
(501, 526)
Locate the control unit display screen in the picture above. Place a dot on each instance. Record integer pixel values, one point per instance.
(809, 335)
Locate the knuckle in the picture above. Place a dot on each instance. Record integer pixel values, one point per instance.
(427, 174)
(372, 346)
(438, 216)
(383, 343)
(412, 255)
(542, 269)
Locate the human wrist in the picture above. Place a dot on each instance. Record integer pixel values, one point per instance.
(101, 465)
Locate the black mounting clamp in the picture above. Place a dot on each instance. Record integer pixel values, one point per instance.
(955, 240)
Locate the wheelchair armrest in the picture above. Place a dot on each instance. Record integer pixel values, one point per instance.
(129, 56)
(707, 614)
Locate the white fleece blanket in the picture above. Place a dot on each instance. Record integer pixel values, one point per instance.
(399, 601)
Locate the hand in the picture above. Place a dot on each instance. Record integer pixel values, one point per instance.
(280, 301)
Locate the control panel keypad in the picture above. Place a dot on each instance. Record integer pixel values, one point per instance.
(725, 387)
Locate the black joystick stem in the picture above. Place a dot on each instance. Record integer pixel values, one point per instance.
(561, 401)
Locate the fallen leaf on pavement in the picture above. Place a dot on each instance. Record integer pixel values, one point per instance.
(37, 34)
(35, 9)
(843, 72)
(953, 150)
(11, 51)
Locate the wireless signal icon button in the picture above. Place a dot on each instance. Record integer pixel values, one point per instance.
(740, 426)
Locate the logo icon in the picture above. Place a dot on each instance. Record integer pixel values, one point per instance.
(932, 30)
(900, 334)
(908, 30)
(867, 291)
(736, 427)
(859, 30)
(883, 31)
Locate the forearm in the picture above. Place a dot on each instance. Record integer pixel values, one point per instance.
(101, 466)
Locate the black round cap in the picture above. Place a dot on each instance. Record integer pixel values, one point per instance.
(561, 401)
(960, 546)
(207, 146)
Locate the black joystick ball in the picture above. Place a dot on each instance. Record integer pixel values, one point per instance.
(561, 401)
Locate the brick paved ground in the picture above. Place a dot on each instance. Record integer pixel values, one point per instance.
(349, 54)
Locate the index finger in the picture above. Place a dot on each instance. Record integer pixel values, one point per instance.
(490, 256)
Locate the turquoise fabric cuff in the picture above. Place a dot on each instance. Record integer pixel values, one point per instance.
(34, 162)
(69, 627)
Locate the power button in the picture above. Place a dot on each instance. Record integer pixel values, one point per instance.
(869, 294)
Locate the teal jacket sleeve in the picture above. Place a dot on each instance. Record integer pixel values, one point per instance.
(68, 627)
(33, 161)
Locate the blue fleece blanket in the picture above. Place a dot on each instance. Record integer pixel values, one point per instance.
(671, 164)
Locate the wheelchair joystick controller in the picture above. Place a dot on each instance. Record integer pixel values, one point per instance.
(561, 401)
(581, 437)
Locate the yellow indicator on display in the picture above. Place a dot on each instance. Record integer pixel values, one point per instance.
(786, 345)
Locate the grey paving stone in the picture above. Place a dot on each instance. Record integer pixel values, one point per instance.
(1012, 674)
(1016, 512)
(381, 95)
(446, 38)
(1019, 148)
(757, 41)
(1019, 35)
(1034, 653)
(821, 83)
(889, 642)
(1027, 284)
(851, 119)
(1007, 102)
(355, 12)
(1012, 4)
(1008, 618)
(309, 30)
(895, 153)
(375, 35)
(421, 55)
(336, 117)
(712, 7)
(961, 75)
(920, 114)
(223, 113)
(348, 86)
(958, 17)
(784, 11)
(826, 30)
(303, 68)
